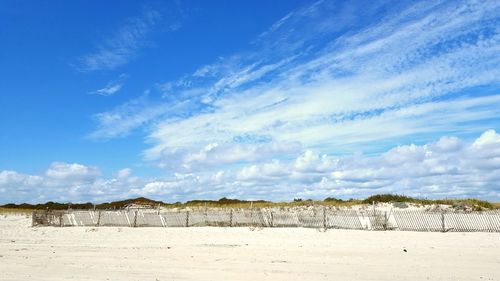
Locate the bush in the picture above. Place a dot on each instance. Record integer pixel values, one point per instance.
(333, 199)
(385, 198)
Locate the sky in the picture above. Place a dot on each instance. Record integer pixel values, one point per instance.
(274, 100)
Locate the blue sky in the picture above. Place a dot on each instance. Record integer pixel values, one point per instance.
(179, 100)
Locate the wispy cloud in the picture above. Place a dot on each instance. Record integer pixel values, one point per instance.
(122, 46)
(120, 121)
(112, 87)
(330, 80)
(405, 68)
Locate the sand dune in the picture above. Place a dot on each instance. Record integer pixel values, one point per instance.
(204, 253)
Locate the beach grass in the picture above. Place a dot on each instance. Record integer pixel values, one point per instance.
(15, 211)
(475, 204)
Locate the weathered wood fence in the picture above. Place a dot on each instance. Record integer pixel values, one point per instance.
(327, 218)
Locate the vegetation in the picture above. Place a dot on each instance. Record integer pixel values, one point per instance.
(332, 199)
(64, 206)
(15, 211)
(469, 202)
(236, 203)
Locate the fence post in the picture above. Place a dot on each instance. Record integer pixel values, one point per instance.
(187, 218)
(252, 223)
(443, 229)
(135, 218)
(231, 218)
(98, 218)
(324, 217)
(272, 218)
(205, 214)
(385, 220)
(60, 220)
(46, 217)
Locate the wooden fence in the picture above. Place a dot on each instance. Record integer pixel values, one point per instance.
(323, 217)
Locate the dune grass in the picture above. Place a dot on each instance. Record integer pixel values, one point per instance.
(470, 202)
(11, 211)
(475, 204)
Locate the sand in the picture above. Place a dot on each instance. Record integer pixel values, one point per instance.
(211, 253)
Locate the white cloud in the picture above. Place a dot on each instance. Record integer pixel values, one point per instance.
(112, 87)
(120, 121)
(217, 155)
(273, 170)
(72, 172)
(65, 182)
(124, 173)
(334, 85)
(12, 177)
(122, 46)
(394, 79)
(489, 137)
(448, 167)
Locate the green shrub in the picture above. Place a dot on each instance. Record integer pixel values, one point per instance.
(385, 198)
(333, 199)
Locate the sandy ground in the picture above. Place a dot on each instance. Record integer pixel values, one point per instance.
(85, 253)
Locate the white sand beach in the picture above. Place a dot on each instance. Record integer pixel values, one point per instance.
(213, 253)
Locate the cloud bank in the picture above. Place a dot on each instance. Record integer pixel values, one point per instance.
(447, 167)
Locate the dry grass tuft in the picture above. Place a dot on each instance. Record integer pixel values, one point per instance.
(15, 211)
